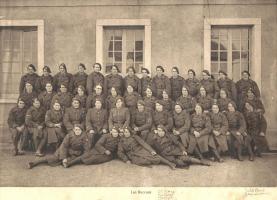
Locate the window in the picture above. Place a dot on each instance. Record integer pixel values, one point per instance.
(123, 46)
(21, 43)
(242, 39)
(124, 42)
(230, 50)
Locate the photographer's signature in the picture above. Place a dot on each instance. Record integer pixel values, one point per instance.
(255, 191)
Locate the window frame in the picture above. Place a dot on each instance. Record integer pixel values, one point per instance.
(255, 51)
(101, 23)
(40, 40)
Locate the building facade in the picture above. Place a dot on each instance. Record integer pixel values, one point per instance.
(232, 35)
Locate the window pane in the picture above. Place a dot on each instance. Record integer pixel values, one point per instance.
(16, 45)
(118, 56)
(139, 45)
(118, 45)
(214, 67)
(214, 45)
(244, 45)
(245, 33)
(236, 34)
(139, 56)
(110, 46)
(215, 33)
(223, 66)
(224, 45)
(7, 45)
(244, 55)
(130, 36)
(117, 34)
(236, 71)
(244, 66)
(235, 56)
(214, 56)
(236, 45)
(139, 35)
(223, 56)
(16, 35)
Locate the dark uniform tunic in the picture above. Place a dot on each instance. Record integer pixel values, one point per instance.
(137, 151)
(134, 81)
(97, 120)
(63, 98)
(131, 100)
(181, 123)
(187, 103)
(256, 123)
(256, 102)
(161, 83)
(229, 86)
(149, 102)
(97, 154)
(145, 83)
(236, 123)
(79, 79)
(17, 119)
(211, 87)
(92, 98)
(202, 124)
(223, 104)
(163, 118)
(54, 134)
(115, 81)
(220, 123)
(176, 87)
(30, 78)
(28, 98)
(119, 118)
(45, 99)
(143, 121)
(243, 86)
(82, 99)
(42, 81)
(168, 104)
(95, 78)
(72, 146)
(74, 116)
(206, 102)
(65, 79)
(193, 86)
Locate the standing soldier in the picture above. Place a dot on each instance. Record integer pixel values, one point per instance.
(250, 97)
(74, 115)
(46, 96)
(209, 84)
(16, 122)
(80, 78)
(192, 83)
(114, 80)
(63, 78)
(63, 96)
(30, 77)
(44, 79)
(146, 82)
(141, 121)
(97, 121)
(243, 85)
(95, 78)
(161, 82)
(177, 83)
(227, 84)
(35, 122)
(133, 80)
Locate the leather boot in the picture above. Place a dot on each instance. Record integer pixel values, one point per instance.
(239, 149)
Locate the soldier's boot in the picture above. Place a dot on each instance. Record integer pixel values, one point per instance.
(35, 163)
(217, 156)
(15, 144)
(72, 162)
(166, 162)
(250, 152)
(198, 162)
(198, 153)
(239, 149)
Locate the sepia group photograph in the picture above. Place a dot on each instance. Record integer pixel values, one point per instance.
(138, 99)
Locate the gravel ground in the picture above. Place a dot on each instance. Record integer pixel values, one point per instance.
(261, 172)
